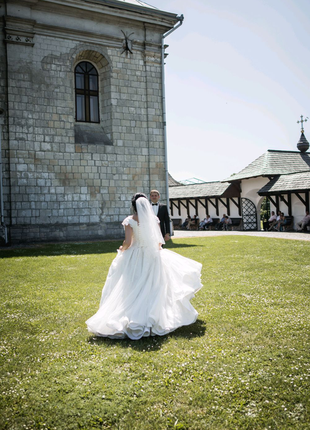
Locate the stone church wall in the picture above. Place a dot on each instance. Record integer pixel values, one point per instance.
(3, 125)
(67, 180)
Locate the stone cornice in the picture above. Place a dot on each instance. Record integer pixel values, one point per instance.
(19, 31)
(88, 37)
(22, 31)
(99, 8)
(79, 35)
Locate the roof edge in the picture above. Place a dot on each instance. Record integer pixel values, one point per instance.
(201, 183)
(284, 150)
(136, 8)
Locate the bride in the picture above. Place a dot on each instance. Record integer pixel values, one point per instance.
(148, 289)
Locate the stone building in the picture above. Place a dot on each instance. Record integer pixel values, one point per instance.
(83, 117)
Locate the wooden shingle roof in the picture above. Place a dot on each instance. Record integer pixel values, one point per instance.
(274, 162)
(208, 189)
(172, 181)
(287, 183)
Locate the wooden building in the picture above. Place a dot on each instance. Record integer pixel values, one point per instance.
(283, 177)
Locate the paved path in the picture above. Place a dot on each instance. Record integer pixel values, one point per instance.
(275, 234)
(178, 234)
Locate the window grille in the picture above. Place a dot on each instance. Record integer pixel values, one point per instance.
(86, 93)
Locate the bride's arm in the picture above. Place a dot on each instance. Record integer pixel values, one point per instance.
(160, 244)
(128, 238)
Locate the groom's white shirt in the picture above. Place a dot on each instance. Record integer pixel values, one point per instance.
(155, 208)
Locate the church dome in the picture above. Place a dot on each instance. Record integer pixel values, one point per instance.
(303, 144)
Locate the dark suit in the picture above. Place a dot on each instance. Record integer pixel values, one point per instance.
(164, 219)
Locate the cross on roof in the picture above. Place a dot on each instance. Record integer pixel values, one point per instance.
(302, 122)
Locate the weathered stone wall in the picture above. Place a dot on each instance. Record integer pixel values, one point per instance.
(3, 128)
(74, 181)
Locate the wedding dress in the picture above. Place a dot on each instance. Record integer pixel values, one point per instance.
(147, 290)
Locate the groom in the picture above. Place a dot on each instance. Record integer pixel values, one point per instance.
(161, 212)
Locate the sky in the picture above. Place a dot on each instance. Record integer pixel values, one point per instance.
(237, 80)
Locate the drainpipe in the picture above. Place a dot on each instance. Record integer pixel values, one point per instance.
(1, 185)
(180, 19)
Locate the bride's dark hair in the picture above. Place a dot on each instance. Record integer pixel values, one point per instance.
(135, 198)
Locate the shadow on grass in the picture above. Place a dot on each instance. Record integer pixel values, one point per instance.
(56, 249)
(153, 343)
(175, 245)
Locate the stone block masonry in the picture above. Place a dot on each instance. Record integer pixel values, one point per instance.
(67, 180)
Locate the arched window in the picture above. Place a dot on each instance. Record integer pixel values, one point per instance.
(86, 93)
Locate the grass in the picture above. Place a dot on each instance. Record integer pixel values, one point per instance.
(245, 364)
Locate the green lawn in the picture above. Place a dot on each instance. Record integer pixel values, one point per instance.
(245, 364)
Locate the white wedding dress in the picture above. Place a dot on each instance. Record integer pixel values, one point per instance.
(146, 292)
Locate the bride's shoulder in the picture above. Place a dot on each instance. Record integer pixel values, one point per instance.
(128, 221)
